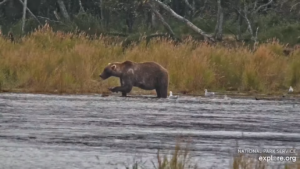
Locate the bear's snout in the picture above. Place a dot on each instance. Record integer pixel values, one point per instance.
(103, 76)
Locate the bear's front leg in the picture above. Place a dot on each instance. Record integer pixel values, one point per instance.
(114, 89)
(124, 89)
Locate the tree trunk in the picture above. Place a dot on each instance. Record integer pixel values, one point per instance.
(63, 9)
(101, 10)
(219, 25)
(105, 13)
(129, 21)
(3, 2)
(56, 15)
(153, 16)
(30, 12)
(24, 15)
(81, 9)
(240, 22)
(248, 21)
(182, 19)
(153, 20)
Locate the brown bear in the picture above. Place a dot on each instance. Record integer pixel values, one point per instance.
(145, 75)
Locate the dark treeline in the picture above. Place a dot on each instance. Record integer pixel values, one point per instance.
(246, 20)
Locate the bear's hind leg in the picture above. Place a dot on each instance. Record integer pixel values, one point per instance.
(124, 94)
(163, 91)
(158, 92)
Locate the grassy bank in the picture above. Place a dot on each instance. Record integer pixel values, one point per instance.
(47, 62)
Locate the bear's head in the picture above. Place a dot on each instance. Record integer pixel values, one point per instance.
(112, 69)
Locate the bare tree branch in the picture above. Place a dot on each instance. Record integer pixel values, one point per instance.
(182, 19)
(200, 10)
(63, 9)
(56, 15)
(3, 2)
(189, 5)
(81, 9)
(30, 12)
(283, 2)
(244, 13)
(255, 5)
(270, 1)
(204, 5)
(294, 6)
(160, 17)
(248, 21)
(48, 19)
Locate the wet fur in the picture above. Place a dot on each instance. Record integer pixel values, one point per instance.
(146, 75)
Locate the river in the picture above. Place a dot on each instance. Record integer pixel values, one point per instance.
(90, 131)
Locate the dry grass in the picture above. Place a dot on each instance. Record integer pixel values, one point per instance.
(47, 61)
(180, 159)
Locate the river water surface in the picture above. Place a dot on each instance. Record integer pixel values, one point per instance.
(90, 131)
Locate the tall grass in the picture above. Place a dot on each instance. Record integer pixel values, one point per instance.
(47, 61)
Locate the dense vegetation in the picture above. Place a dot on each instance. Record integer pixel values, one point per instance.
(230, 19)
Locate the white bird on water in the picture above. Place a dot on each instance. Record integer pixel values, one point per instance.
(209, 93)
(291, 89)
(225, 97)
(171, 96)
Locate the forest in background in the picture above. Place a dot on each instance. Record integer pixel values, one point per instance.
(233, 20)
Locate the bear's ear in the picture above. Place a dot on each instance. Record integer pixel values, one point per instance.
(113, 67)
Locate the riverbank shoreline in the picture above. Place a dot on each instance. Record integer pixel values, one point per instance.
(279, 96)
